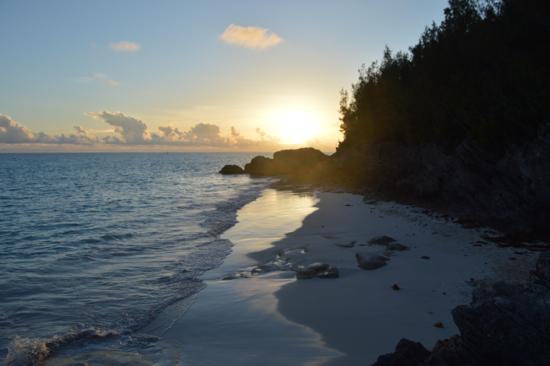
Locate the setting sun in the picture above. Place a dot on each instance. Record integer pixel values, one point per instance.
(295, 125)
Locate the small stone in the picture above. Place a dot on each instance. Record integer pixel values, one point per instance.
(350, 244)
(395, 287)
(397, 247)
(425, 257)
(381, 240)
(439, 325)
(370, 262)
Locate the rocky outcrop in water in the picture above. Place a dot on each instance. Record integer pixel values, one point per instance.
(300, 164)
(231, 170)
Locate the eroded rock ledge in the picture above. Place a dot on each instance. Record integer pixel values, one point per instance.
(505, 324)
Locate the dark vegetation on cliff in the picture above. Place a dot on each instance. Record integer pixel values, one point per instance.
(482, 74)
(461, 121)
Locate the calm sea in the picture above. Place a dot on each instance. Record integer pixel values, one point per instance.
(95, 246)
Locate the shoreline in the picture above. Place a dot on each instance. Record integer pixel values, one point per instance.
(260, 307)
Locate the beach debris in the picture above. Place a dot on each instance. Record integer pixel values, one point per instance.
(350, 244)
(370, 261)
(235, 276)
(406, 352)
(439, 325)
(397, 247)
(389, 242)
(316, 270)
(381, 240)
(395, 287)
(348, 205)
(425, 257)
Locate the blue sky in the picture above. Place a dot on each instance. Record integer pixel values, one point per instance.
(59, 65)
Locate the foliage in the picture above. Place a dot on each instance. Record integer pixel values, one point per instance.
(482, 73)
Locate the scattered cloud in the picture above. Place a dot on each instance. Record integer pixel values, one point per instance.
(12, 132)
(250, 37)
(125, 46)
(100, 78)
(130, 131)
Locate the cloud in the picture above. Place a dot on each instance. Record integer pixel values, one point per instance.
(250, 37)
(101, 78)
(12, 133)
(132, 130)
(125, 46)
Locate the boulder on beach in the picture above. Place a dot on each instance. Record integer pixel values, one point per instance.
(407, 353)
(231, 170)
(381, 240)
(370, 261)
(505, 324)
(316, 270)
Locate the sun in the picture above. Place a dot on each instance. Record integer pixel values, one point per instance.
(294, 126)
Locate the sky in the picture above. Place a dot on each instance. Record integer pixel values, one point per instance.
(206, 75)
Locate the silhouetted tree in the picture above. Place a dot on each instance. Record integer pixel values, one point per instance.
(481, 74)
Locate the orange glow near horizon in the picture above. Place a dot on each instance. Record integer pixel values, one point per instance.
(295, 125)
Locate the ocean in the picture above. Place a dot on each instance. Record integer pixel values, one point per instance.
(94, 246)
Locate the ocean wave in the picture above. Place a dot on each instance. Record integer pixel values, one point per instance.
(34, 351)
(225, 214)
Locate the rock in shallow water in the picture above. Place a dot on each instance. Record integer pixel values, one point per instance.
(231, 170)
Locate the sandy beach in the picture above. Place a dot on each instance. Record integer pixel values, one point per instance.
(254, 311)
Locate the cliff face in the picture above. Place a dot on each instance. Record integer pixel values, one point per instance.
(511, 192)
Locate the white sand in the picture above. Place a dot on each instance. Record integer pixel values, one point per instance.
(273, 319)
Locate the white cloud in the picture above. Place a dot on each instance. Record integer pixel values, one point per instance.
(130, 131)
(250, 37)
(125, 46)
(100, 78)
(12, 132)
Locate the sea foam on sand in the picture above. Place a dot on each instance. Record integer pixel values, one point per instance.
(273, 319)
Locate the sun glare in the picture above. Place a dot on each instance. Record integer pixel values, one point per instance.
(295, 126)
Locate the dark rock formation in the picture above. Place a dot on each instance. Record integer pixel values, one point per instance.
(381, 240)
(231, 169)
(505, 324)
(297, 165)
(260, 166)
(407, 353)
(370, 261)
(510, 192)
(388, 242)
(317, 270)
(541, 273)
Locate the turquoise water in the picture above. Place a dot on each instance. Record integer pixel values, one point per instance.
(94, 246)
